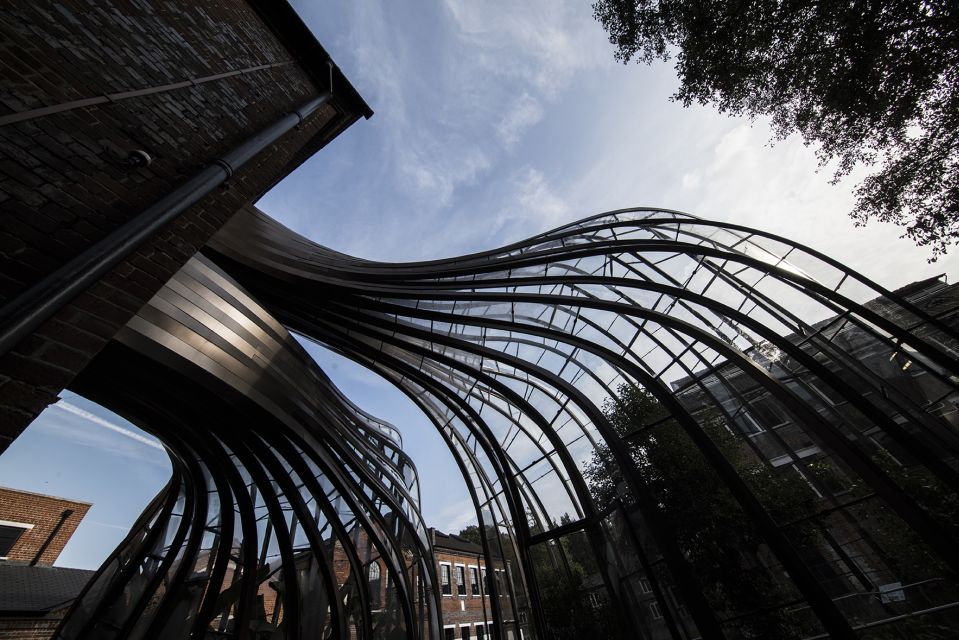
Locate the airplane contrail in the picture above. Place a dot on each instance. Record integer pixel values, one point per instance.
(86, 415)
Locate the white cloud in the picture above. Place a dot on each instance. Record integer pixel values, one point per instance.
(536, 197)
(525, 112)
(692, 180)
(453, 517)
(542, 42)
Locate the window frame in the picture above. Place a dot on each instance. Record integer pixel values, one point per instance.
(655, 611)
(461, 590)
(449, 582)
(376, 602)
(474, 586)
(23, 526)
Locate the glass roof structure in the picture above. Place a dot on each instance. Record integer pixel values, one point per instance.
(669, 428)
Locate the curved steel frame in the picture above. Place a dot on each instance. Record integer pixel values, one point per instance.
(511, 354)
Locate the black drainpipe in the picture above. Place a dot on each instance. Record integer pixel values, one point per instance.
(46, 543)
(22, 315)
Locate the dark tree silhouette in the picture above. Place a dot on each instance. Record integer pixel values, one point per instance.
(471, 534)
(863, 81)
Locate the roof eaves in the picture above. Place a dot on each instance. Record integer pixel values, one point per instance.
(284, 21)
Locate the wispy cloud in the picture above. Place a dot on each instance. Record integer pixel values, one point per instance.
(453, 517)
(536, 196)
(106, 424)
(525, 112)
(543, 43)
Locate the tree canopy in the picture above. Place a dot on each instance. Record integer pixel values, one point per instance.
(862, 81)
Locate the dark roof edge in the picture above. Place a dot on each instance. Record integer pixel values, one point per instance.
(455, 543)
(919, 285)
(297, 37)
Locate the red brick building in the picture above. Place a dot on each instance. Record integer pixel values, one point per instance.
(464, 583)
(34, 528)
(34, 595)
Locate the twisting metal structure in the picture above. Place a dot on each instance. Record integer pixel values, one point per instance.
(284, 494)
(745, 348)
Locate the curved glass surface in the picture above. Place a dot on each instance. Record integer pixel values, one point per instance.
(669, 427)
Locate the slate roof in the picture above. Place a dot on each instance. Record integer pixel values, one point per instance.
(26, 590)
(455, 543)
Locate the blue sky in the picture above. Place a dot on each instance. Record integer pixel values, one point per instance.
(494, 121)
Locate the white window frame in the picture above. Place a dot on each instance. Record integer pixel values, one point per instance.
(467, 625)
(473, 593)
(449, 626)
(20, 525)
(500, 576)
(450, 594)
(655, 611)
(645, 586)
(465, 583)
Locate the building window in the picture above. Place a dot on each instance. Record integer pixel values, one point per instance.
(449, 633)
(445, 580)
(465, 631)
(460, 580)
(480, 631)
(374, 581)
(474, 581)
(654, 611)
(10, 532)
(645, 586)
(485, 581)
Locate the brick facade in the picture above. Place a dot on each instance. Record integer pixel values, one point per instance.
(47, 514)
(63, 182)
(469, 612)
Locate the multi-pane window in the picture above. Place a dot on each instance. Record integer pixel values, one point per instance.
(461, 580)
(445, 580)
(465, 631)
(645, 586)
(486, 589)
(449, 633)
(654, 611)
(374, 581)
(474, 581)
(480, 632)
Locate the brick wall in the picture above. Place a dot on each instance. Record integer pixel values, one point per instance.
(457, 609)
(44, 513)
(63, 184)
